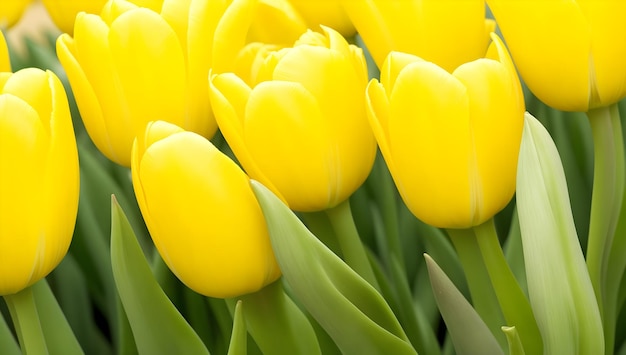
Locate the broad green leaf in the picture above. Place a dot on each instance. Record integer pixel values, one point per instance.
(157, 325)
(8, 344)
(469, 333)
(559, 286)
(353, 313)
(239, 337)
(59, 336)
(271, 311)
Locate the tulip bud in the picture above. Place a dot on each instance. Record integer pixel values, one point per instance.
(450, 140)
(39, 177)
(571, 55)
(131, 65)
(302, 131)
(201, 213)
(445, 32)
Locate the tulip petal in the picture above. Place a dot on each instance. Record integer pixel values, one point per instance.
(87, 62)
(496, 128)
(378, 115)
(287, 115)
(552, 59)
(150, 64)
(427, 118)
(24, 142)
(31, 85)
(608, 73)
(393, 65)
(230, 33)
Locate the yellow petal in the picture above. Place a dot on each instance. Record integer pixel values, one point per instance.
(88, 64)
(552, 58)
(148, 59)
(229, 98)
(217, 242)
(430, 140)
(300, 162)
(23, 149)
(496, 121)
(378, 116)
(277, 22)
(5, 63)
(393, 65)
(230, 33)
(31, 85)
(326, 13)
(607, 70)
(63, 13)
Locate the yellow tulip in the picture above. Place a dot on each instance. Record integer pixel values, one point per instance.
(201, 213)
(446, 32)
(11, 11)
(39, 178)
(131, 65)
(302, 131)
(569, 53)
(450, 140)
(327, 13)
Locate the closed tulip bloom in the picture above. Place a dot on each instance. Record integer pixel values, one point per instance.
(11, 11)
(39, 177)
(131, 65)
(328, 13)
(201, 213)
(445, 32)
(571, 54)
(450, 140)
(302, 130)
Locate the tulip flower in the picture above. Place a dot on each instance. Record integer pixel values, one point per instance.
(327, 13)
(11, 12)
(570, 57)
(450, 140)
(5, 60)
(39, 177)
(201, 213)
(445, 32)
(302, 131)
(131, 65)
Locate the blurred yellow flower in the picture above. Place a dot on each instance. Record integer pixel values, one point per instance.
(569, 53)
(277, 22)
(445, 32)
(450, 140)
(302, 131)
(39, 177)
(201, 213)
(131, 65)
(5, 60)
(327, 13)
(11, 11)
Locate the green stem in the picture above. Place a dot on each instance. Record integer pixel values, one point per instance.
(276, 323)
(513, 302)
(606, 200)
(350, 243)
(483, 295)
(616, 260)
(26, 320)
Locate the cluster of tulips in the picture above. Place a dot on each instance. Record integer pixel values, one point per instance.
(314, 177)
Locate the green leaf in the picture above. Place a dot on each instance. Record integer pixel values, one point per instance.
(59, 336)
(238, 339)
(8, 344)
(157, 325)
(271, 311)
(469, 333)
(353, 313)
(515, 343)
(559, 286)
